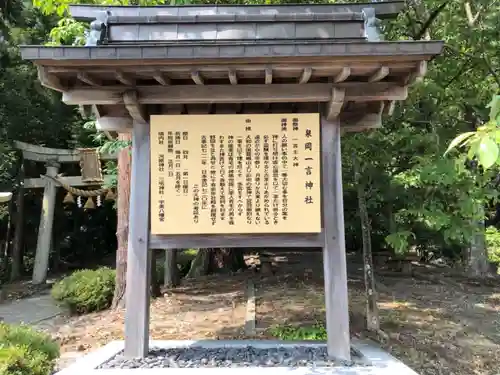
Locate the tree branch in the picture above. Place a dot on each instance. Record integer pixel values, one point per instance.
(431, 19)
(482, 57)
(468, 12)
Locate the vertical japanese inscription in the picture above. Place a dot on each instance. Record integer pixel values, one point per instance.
(222, 178)
(230, 175)
(248, 175)
(257, 182)
(284, 169)
(213, 180)
(236, 174)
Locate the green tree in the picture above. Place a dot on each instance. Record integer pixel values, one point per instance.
(419, 199)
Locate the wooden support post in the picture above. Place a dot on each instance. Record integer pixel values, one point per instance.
(45, 229)
(139, 257)
(334, 253)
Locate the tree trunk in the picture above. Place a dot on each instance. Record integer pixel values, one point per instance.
(155, 280)
(226, 260)
(199, 265)
(171, 275)
(477, 255)
(123, 206)
(372, 315)
(222, 260)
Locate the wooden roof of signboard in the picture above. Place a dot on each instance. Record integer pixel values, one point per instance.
(384, 9)
(234, 58)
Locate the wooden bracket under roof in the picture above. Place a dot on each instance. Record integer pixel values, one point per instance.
(89, 80)
(49, 80)
(335, 104)
(233, 77)
(161, 78)
(197, 78)
(342, 75)
(306, 75)
(379, 75)
(418, 74)
(137, 111)
(125, 79)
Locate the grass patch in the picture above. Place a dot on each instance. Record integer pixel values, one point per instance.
(316, 332)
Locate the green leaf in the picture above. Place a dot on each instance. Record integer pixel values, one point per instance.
(487, 152)
(459, 140)
(496, 135)
(494, 107)
(473, 148)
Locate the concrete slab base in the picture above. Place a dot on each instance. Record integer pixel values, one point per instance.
(377, 361)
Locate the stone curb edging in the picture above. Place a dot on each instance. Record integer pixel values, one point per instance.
(381, 362)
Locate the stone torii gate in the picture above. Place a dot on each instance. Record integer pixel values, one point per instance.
(321, 59)
(53, 158)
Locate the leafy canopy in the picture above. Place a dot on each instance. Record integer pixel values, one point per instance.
(483, 143)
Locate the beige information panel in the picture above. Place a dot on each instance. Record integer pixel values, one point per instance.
(223, 174)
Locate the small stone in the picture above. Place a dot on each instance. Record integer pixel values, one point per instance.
(321, 364)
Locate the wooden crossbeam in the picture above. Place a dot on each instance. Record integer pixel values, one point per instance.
(114, 124)
(350, 118)
(240, 67)
(275, 93)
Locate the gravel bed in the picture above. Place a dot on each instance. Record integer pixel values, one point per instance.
(298, 356)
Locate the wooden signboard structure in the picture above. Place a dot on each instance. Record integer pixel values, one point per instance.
(156, 70)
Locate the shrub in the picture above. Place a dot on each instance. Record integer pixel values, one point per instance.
(86, 291)
(317, 332)
(24, 351)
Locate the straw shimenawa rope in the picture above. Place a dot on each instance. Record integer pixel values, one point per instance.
(78, 192)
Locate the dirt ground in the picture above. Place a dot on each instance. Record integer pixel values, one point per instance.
(436, 325)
